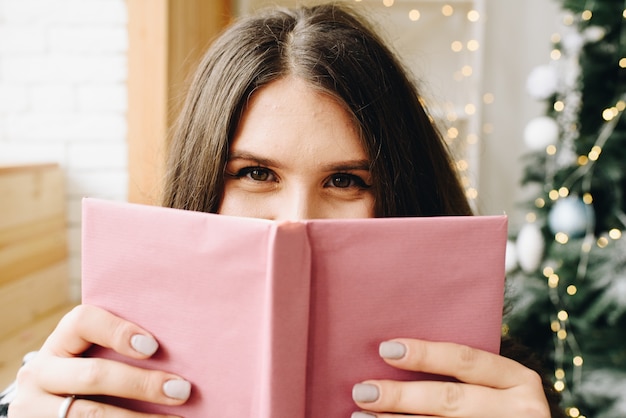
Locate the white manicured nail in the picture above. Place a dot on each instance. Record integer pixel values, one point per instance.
(392, 350)
(177, 389)
(144, 344)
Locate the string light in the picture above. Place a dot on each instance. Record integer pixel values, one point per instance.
(473, 45)
(561, 238)
(473, 16)
(540, 202)
(414, 15)
(467, 112)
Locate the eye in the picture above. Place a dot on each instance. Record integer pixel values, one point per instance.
(259, 174)
(345, 180)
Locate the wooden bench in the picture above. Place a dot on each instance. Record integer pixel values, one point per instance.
(34, 277)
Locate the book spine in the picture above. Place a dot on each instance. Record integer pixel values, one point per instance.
(286, 318)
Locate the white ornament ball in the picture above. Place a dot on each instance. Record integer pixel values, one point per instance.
(542, 82)
(510, 259)
(529, 247)
(541, 132)
(594, 33)
(573, 43)
(571, 216)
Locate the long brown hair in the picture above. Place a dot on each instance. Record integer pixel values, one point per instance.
(335, 51)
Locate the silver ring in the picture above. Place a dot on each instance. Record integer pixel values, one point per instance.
(65, 406)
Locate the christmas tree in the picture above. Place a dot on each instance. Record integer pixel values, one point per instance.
(566, 264)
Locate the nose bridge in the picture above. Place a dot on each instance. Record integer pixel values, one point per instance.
(300, 205)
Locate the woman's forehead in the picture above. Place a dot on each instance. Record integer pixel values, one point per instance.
(291, 119)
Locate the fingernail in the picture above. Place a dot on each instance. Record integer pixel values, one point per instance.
(392, 350)
(363, 392)
(362, 415)
(144, 344)
(177, 389)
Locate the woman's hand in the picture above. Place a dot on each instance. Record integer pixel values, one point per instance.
(490, 386)
(56, 372)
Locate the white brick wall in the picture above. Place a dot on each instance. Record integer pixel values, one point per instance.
(63, 97)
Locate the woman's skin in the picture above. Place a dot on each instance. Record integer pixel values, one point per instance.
(296, 155)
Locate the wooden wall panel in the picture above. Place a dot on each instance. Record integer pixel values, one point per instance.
(166, 40)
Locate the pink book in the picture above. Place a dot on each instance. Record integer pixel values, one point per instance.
(280, 319)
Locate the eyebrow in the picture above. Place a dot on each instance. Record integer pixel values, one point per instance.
(348, 165)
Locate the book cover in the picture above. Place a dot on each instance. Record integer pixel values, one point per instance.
(281, 319)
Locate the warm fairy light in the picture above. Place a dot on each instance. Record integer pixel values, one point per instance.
(622, 62)
(588, 198)
(472, 139)
(453, 132)
(555, 326)
(559, 386)
(548, 271)
(388, 3)
(582, 160)
(563, 192)
(551, 150)
(470, 109)
(473, 16)
(555, 38)
(457, 46)
(586, 15)
(571, 290)
(610, 113)
(462, 165)
(553, 195)
(594, 154)
(620, 105)
(615, 233)
(531, 217)
(586, 247)
(561, 237)
(488, 98)
(568, 19)
(559, 374)
(559, 106)
(414, 15)
(624, 14)
(561, 334)
(553, 281)
(540, 202)
(562, 315)
(473, 45)
(467, 70)
(602, 242)
(574, 413)
(578, 361)
(555, 54)
(472, 193)
(447, 10)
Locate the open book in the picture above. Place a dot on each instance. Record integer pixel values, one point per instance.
(280, 320)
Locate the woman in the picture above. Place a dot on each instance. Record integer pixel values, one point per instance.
(294, 115)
